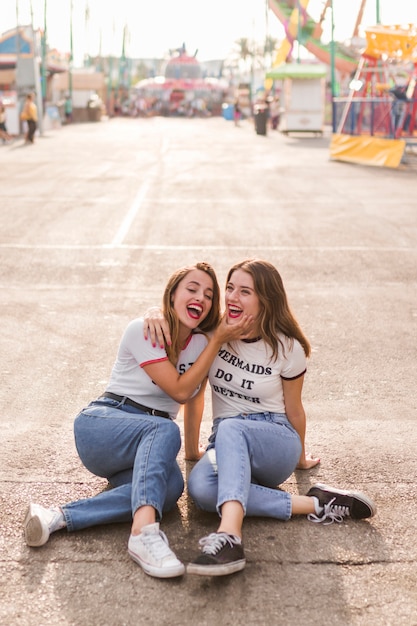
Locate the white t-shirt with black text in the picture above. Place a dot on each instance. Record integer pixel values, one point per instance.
(249, 381)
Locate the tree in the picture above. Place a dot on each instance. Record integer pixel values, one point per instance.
(244, 48)
(270, 44)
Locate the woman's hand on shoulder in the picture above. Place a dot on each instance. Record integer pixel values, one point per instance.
(308, 462)
(156, 327)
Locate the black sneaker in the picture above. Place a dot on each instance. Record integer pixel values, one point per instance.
(222, 554)
(338, 504)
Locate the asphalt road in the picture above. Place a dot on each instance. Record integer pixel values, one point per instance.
(93, 220)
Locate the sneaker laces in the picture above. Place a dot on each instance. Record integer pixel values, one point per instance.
(331, 512)
(157, 544)
(57, 519)
(214, 542)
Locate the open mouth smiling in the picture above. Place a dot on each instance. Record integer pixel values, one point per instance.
(234, 311)
(195, 311)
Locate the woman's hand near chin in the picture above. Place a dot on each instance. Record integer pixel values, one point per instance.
(229, 332)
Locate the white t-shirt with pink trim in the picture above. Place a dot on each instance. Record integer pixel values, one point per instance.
(249, 381)
(128, 378)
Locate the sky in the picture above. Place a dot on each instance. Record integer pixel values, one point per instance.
(154, 27)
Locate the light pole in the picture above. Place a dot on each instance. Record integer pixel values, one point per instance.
(71, 53)
(333, 68)
(378, 14)
(17, 33)
(298, 30)
(44, 40)
(38, 87)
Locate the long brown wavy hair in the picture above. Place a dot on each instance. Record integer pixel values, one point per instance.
(208, 324)
(275, 314)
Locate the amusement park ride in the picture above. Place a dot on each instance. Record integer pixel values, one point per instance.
(373, 87)
(375, 122)
(378, 118)
(183, 90)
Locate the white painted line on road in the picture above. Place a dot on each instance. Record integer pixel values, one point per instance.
(130, 216)
(23, 246)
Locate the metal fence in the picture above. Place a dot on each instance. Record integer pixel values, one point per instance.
(382, 117)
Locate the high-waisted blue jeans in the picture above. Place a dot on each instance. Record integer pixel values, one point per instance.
(136, 452)
(247, 458)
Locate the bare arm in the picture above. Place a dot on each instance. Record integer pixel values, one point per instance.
(297, 417)
(193, 413)
(181, 386)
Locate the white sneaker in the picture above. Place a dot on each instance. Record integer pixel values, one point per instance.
(151, 550)
(39, 523)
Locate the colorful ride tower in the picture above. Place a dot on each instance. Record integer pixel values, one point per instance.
(377, 119)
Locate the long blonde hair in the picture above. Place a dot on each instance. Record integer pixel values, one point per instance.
(208, 324)
(275, 313)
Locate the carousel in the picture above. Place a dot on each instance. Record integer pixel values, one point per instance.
(182, 90)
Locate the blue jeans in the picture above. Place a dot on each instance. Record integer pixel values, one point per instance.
(136, 452)
(248, 456)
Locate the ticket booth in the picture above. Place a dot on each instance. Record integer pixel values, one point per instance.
(303, 96)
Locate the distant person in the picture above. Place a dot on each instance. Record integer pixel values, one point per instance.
(257, 438)
(110, 104)
(274, 111)
(68, 109)
(3, 129)
(237, 113)
(30, 116)
(117, 105)
(128, 434)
